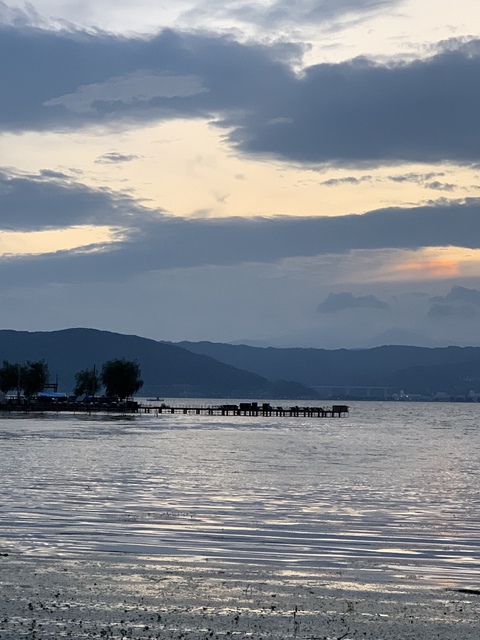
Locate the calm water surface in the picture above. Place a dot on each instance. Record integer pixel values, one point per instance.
(392, 489)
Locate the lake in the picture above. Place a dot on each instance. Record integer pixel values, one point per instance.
(392, 491)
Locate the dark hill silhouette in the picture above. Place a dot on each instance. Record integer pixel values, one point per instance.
(206, 369)
(417, 370)
(167, 370)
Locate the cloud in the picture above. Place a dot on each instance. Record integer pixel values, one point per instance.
(284, 13)
(278, 16)
(350, 180)
(115, 158)
(440, 186)
(342, 301)
(151, 240)
(459, 294)
(49, 173)
(423, 180)
(423, 111)
(416, 178)
(460, 302)
(18, 17)
(356, 111)
(48, 201)
(308, 11)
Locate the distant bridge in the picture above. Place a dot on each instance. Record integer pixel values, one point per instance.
(330, 391)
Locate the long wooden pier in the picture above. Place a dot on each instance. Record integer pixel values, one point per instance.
(245, 409)
(253, 409)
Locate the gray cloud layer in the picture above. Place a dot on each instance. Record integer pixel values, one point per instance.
(31, 203)
(152, 240)
(426, 110)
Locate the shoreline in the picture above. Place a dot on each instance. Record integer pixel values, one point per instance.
(124, 596)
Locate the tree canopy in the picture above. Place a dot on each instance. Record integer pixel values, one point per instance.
(121, 378)
(9, 376)
(30, 377)
(33, 377)
(87, 382)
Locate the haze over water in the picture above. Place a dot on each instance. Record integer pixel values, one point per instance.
(391, 491)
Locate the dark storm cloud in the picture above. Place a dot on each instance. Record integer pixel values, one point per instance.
(149, 241)
(355, 111)
(342, 301)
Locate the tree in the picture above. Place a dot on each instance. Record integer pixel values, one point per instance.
(121, 378)
(9, 376)
(87, 382)
(33, 377)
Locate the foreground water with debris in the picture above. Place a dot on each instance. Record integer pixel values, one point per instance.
(259, 527)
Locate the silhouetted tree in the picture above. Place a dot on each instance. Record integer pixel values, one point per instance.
(9, 376)
(33, 377)
(121, 378)
(87, 381)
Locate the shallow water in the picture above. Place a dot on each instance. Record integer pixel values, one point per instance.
(393, 490)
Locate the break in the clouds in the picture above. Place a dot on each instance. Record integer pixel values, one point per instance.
(426, 110)
(341, 301)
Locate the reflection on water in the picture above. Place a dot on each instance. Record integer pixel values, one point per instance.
(393, 487)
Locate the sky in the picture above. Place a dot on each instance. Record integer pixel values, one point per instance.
(280, 174)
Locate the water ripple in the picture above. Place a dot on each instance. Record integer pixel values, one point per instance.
(393, 487)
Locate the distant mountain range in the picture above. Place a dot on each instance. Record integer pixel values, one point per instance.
(207, 369)
(453, 371)
(167, 370)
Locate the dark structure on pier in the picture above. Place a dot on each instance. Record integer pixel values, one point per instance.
(253, 409)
